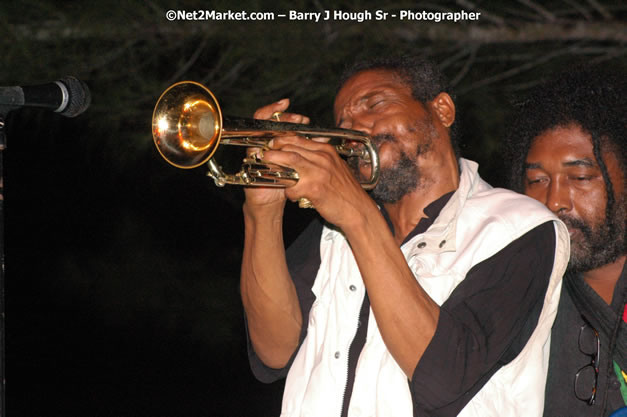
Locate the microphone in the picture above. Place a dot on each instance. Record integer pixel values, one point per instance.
(67, 96)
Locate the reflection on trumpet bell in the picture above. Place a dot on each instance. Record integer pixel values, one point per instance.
(197, 124)
(188, 126)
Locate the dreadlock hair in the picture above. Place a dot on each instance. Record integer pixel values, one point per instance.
(590, 97)
(420, 74)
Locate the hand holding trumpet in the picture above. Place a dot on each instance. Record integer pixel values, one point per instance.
(188, 126)
(325, 180)
(260, 196)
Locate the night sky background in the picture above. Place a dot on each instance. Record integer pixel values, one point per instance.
(121, 283)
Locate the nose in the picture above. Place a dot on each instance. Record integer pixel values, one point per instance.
(345, 123)
(558, 197)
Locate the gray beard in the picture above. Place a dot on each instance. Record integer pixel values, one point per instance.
(394, 182)
(405, 176)
(397, 181)
(601, 245)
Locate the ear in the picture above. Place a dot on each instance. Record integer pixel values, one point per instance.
(444, 108)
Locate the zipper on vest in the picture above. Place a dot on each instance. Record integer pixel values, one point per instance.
(344, 411)
(355, 348)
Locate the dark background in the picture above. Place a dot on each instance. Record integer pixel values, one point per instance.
(121, 285)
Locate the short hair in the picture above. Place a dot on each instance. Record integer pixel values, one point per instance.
(591, 97)
(421, 75)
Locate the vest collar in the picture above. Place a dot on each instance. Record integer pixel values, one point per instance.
(440, 237)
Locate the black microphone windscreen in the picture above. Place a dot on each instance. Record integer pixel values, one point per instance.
(79, 96)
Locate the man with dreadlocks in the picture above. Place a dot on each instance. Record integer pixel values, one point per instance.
(567, 150)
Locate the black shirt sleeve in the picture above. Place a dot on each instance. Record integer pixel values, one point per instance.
(303, 262)
(485, 323)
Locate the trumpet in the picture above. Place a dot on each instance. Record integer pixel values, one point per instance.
(188, 126)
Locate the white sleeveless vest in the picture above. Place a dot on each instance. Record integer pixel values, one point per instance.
(440, 259)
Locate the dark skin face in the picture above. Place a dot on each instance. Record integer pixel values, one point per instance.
(563, 174)
(409, 134)
(378, 103)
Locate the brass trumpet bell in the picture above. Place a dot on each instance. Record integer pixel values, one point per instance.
(188, 126)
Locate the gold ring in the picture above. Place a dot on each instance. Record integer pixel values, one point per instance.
(276, 116)
(305, 203)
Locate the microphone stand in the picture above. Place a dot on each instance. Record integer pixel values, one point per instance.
(76, 99)
(3, 114)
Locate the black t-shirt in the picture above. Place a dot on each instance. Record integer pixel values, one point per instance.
(567, 359)
(483, 325)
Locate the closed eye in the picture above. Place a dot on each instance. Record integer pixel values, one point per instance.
(531, 181)
(376, 103)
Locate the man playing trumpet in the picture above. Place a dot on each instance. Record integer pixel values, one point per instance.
(432, 295)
